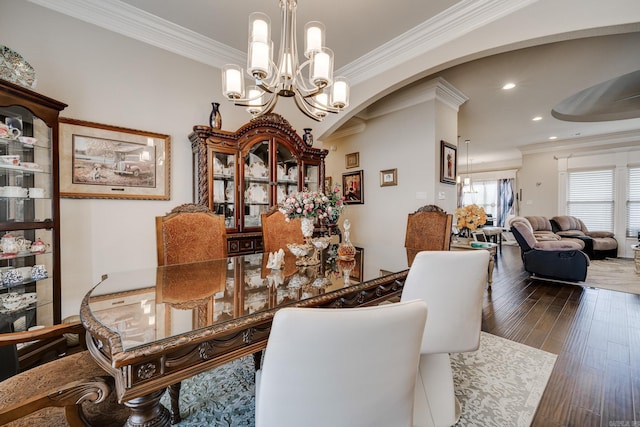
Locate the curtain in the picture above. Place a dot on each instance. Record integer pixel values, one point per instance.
(505, 200)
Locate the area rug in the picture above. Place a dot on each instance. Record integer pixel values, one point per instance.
(616, 274)
(498, 385)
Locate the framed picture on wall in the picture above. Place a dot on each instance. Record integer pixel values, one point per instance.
(388, 177)
(109, 162)
(352, 188)
(352, 160)
(448, 162)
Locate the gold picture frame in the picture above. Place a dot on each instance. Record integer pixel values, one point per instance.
(108, 162)
(352, 160)
(327, 184)
(388, 177)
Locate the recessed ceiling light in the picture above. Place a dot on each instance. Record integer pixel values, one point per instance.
(537, 118)
(553, 137)
(509, 86)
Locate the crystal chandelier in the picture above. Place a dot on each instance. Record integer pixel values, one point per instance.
(315, 96)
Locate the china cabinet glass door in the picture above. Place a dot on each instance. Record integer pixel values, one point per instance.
(257, 197)
(224, 187)
(26, 212)
(287, 172)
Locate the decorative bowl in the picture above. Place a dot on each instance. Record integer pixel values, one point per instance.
(298, 249)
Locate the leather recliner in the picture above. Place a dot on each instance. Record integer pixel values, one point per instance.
(551, 259)
(598, 244)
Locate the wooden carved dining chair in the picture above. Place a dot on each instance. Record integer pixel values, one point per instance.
(189, 233)
(428, 229)
(71, 390)
(277, 232)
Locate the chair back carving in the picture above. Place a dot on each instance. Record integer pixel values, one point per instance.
(429, 229)
(190, 233)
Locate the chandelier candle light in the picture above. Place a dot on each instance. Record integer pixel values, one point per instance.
(315, 96)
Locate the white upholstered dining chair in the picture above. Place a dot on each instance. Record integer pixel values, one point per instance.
(341, 367)
(452, 284)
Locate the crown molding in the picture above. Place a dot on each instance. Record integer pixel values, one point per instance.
(435, 89)
(122, 18)
(448, 25)
(137, 24)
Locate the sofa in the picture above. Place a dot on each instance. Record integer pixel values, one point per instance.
(597, 244)
(553, 258)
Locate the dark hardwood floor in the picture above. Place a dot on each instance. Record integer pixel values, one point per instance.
(594, 332)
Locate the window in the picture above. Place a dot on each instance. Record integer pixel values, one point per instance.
(485, 195)
(591, 198)
(633, 203)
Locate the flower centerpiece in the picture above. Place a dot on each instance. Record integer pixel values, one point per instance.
(308, 206)
(469, 218)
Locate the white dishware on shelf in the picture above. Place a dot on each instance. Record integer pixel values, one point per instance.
(10, 159)
(11, 300)
(39, 271)
(27, 140)
(218, 192)
(256, 193)
(217, 166)
(258, 170)
(281, 194)
(229, 193)
(36, 193)
(293, 173)
(281, 172)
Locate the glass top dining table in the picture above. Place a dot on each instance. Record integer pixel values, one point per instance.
(154, 327)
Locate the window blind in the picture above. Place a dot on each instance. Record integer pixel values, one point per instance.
(633, 203)
(591, 198)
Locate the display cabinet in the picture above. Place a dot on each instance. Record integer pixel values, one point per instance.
(29, 207)
(243, 174)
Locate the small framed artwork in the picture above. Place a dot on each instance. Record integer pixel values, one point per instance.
(352, 160)
(327, 184)
(352, 188)
(388, 177)
(448, 162)
(108, 162)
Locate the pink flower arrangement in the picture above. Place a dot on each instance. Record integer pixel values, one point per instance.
(312, 204)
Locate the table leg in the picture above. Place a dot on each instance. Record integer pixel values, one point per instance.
(174, 394)
(147, 411)
(492, 263)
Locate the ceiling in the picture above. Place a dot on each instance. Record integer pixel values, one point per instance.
(556, 54)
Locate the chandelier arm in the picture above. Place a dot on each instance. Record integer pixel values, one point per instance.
(302, 107)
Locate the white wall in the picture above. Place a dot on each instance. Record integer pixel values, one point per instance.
(408, 140)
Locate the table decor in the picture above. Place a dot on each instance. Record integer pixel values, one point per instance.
(469, 218)
(346, 250)
(311, 206)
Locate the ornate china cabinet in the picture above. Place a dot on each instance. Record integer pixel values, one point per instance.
(29, 208)
(242, 174)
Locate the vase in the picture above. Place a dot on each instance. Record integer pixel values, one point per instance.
(215, 119)
(307, 225)
(307, 137)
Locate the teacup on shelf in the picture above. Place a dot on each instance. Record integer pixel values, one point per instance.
(38, 272)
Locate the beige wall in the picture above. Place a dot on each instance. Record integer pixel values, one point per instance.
(538, 180)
